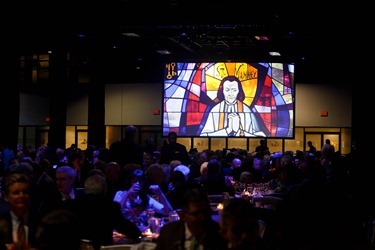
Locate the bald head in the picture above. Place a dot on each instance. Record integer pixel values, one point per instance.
(236, 163)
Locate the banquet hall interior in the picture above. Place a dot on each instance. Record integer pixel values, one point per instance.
(69, 49)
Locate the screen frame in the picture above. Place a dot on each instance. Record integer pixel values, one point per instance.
(272, 96)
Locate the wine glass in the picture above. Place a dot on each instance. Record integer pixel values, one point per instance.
(153, 223)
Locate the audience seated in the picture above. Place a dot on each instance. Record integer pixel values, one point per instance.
(112, 173)
(137, 199)
(216, 182)
(155, 176)
(316, 185)
(98, 215)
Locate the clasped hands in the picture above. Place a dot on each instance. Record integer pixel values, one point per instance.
(233, 124)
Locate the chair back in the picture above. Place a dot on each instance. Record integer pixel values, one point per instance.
(262, 227)
(271, 202)
(139, 246)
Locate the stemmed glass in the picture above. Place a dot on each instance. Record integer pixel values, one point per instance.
(153, 223)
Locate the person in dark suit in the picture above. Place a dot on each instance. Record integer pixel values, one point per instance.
(127, 150)
(58, 230)
(65, 177)
(174, 151)
(196, 226)
(262, 147)
(18, 215)
(98, 215)
(312, 148)
(178, 186)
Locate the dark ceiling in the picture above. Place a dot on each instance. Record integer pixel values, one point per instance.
(313, 37)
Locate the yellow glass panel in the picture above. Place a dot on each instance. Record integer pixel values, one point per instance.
(316, 140)
(218, 143)
(346, 141)
(185, 141)
(297, 143)
(239, 143)
(200, 143)
(82, 140)
(275, 145)
(44, 64)
(113, 134)
(322, 130)
(70, 136)
(44, 57)
(254, 142)
(334, 138)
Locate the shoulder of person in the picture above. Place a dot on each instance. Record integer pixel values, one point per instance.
(79, 191)
(174, 226)
(181, 145)
(118, 196)
(155, 204)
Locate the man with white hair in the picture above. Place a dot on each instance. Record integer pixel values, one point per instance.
(65, 176)
(184, 169)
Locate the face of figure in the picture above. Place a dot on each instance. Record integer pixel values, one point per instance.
(196, 218)
(172, 139)
(64, 182)
(230, 91)
(226, 228)
(148, 159)
(19, 197)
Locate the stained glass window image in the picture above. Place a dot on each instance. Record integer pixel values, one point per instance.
(229, 99)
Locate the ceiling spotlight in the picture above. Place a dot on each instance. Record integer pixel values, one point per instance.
(164, 52)
(130, 34)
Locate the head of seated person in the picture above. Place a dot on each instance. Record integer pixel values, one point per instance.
(239, 224)
(246, 177)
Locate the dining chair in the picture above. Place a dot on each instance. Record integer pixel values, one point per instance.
(119, 247)
(215, 198)
(271, 202)
(262, 227)
(139, 246)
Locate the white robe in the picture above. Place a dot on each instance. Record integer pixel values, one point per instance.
(217, 120)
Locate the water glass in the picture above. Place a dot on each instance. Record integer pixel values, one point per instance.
(173, 216)
(164, 221)
(225, 196)
(153, 223)
(250, 190)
